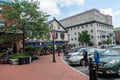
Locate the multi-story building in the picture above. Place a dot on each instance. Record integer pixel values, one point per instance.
(8, 38)
(98, 25)
(117, 34)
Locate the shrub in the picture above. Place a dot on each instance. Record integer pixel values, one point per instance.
(31, 48)
(19, 55)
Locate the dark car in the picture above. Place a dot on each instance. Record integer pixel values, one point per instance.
(110, 61)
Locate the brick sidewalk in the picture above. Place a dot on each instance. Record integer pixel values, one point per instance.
(42, 69)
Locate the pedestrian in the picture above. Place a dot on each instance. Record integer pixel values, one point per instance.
(59, 52)
(85, 57)
(97, 58)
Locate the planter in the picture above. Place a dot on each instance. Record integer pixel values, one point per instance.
(13, 61)
(24, 60)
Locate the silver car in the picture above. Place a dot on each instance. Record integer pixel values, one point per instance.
(75, 52)
(78, 59)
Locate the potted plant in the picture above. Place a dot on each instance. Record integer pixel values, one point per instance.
(17, 58)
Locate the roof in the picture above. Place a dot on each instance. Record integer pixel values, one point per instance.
(54, 19)
(116, 29)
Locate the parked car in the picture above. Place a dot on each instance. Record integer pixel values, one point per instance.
(78, 59)
(76, 51)
(110, 61)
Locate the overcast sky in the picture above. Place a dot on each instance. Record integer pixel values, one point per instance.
(65, 8)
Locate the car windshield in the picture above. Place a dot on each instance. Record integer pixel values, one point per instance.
(112, 52)
(76, 49)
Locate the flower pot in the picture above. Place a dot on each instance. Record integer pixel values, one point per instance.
(13, 61)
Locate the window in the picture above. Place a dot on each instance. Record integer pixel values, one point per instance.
(56, 35)
(68, 34)
(91, 31)
(82, 26)
(74, 28)
(75, 33)
(91, 37)
(62, 35)
(91, 24)
(58, 26)
(2, 24)
(0, 11)
(75, 38)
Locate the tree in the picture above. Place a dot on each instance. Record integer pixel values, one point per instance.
(84, 37)
(26, 17)
(108, 41)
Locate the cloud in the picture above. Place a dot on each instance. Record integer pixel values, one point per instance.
(50, 7)
(110, 11)
(66, 3)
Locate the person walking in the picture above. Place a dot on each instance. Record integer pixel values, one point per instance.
(97, 58)
(59, 52)
(85, 57)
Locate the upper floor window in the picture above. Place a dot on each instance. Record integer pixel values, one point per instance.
(91, 31)
(75, 38)
(75, 33)
(58, 26)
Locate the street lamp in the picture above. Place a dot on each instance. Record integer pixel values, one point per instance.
(53, 36)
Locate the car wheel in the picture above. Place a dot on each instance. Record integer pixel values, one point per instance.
(82, 62)
(118, 71)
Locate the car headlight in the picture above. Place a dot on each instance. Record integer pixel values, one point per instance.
(110, 63)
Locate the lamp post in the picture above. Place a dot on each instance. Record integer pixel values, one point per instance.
(53, 36)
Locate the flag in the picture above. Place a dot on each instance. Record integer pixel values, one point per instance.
(54, 34)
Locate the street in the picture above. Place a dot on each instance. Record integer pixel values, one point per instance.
(85, 71)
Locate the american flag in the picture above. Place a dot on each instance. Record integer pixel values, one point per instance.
(54, 34)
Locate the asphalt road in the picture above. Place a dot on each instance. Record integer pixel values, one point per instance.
(85, 71)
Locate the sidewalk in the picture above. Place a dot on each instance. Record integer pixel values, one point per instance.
(42, 69)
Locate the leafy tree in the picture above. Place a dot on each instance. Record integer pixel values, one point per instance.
(108, 41)
(84, 37)
(26, 17)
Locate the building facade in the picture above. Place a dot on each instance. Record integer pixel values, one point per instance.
(58, 32)
(98, 25)
(8, 38)
(117, 35)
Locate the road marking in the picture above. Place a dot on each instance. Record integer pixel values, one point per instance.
(74, 68)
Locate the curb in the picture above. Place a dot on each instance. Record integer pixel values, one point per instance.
(74, 68)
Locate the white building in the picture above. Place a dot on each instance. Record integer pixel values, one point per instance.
(98, 25)
(58, 31)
